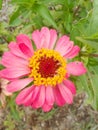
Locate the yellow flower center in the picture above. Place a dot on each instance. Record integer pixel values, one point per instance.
(48, 67)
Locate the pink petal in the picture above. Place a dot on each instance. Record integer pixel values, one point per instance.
(46, 107)
(58, 97)
(41, 38)
(53, 38)
(36, 91)
(49, 95)
(26, 51)
(22, 97)
(70, 85)
(45, 37)
(40, 98)
(12, 73)
(76, 68)
(36, 38)
(18, 84)
(64, 45)
(22, 38)
(74, 52)
(28, 100)
(15, 50)
(66, 93)
(62, 40)
(14, 60)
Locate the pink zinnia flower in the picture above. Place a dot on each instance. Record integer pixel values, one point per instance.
(42, 74)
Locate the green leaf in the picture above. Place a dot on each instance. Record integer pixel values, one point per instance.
(53, 1)
(23, 1)
(3, 47)
(68, 21)
(93, 26)
(38, 22)
(1, 1)
(13, 110)
(19, 16)
(27, 29)
(93, 76)
(84, 85)
(24, 4)
(14, 19)
(44, 12)
(89, 84)
(79, 28)
(92, 43)
(93, 61)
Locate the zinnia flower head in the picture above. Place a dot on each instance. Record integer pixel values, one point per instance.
(3, 91)
(42, 74)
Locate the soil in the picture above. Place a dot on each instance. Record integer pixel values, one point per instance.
(77, 116)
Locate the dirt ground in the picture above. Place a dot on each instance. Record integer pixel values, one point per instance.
(70, 117)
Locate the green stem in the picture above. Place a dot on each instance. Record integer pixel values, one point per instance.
(89, 55)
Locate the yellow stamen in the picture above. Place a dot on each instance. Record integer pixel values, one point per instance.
(34, 63)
